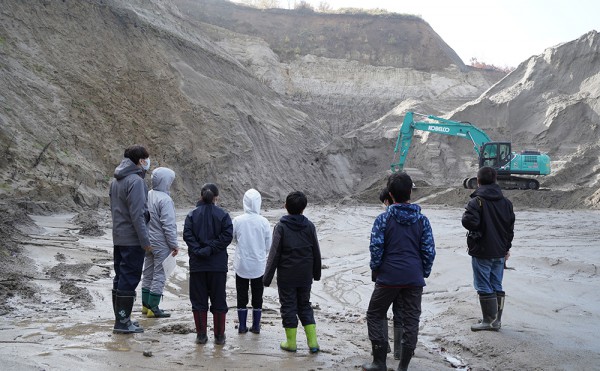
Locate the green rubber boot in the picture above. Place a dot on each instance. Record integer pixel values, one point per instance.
(311, 337)
(153, 310)
(145, 297)
(290, 344)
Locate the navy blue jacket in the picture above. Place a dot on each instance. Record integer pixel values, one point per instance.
(295, 253)
(208, 231)
(402, 247)
(491, 216)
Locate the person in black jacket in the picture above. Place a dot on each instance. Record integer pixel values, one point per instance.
(208, 231)
(296, 256)
(490, 219)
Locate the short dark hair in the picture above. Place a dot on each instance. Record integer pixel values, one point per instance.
(384, 195)
(135, 153)
(295, 202)
(487, 175)
(400, 186)
(209, 192)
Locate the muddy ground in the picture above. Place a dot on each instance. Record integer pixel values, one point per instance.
(57, 314)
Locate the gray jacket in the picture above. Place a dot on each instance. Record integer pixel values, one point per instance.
(128, 194)
(162, 225)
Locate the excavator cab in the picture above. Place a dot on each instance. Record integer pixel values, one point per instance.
(496, 155)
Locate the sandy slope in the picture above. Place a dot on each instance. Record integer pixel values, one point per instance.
(550, 321)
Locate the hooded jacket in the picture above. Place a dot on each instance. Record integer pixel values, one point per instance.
(128, 195)
(490, 215)
(252, 234)
(295, 253)
(163, 225)
(402, 246)
(207, 232)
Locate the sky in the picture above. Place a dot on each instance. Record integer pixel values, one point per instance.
(502, 33)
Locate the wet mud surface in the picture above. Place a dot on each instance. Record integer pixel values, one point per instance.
(58, 314)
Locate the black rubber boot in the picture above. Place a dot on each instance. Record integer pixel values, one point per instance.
(405, 357)
(379, 355)
(256, 315)
(200, 319)
(114, 301)
(219, 327)
(489, 309)
(398, 342)
(123, 306)
(497, 324)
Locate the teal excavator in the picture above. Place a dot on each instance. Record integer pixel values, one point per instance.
(511, 166)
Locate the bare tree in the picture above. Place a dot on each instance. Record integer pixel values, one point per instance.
(304, 5)
(324, 7)
(267, 4)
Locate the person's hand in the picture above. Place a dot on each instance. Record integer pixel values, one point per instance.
(148, 248)
(205, 252)
(374, 276)
(174, 252)
(507, 255)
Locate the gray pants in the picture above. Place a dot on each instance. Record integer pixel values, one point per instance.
(154, 273)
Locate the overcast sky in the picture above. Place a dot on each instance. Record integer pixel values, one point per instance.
(501, 32)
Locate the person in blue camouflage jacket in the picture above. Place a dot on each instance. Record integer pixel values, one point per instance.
(402, 253)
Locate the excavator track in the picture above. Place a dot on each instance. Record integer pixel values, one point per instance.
(506, 182)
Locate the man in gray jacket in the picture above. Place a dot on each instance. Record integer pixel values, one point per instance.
(128, 194)
(163, 238)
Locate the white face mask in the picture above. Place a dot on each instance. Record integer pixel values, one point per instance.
(146, 165)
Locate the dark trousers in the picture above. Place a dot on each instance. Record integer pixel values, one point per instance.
(295, 305)
(205, 285)
(408, 300)
(241, 287)
(128, 262)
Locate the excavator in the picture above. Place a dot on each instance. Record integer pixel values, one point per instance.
(511, 166)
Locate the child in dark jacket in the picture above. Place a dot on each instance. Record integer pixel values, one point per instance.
(208, 231)
(296, 256)
(402, 254)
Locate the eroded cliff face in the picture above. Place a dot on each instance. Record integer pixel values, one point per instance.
(81, 80)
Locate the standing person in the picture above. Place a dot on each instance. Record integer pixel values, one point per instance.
(128, 195)
(296, 256)
(207, 232)
(163, 237)
(490, 219)
(386, 200)
(252, 233)
(402, 254)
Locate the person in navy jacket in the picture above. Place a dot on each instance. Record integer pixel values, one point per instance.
(402, 253)
(208, 231)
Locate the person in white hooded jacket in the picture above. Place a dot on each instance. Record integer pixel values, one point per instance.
(162, 229)
(253, 234)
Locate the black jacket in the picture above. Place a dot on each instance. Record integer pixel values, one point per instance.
(208, 231)
(490, 219)
(294, 253)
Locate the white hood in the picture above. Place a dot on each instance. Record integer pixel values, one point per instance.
(252, 234)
